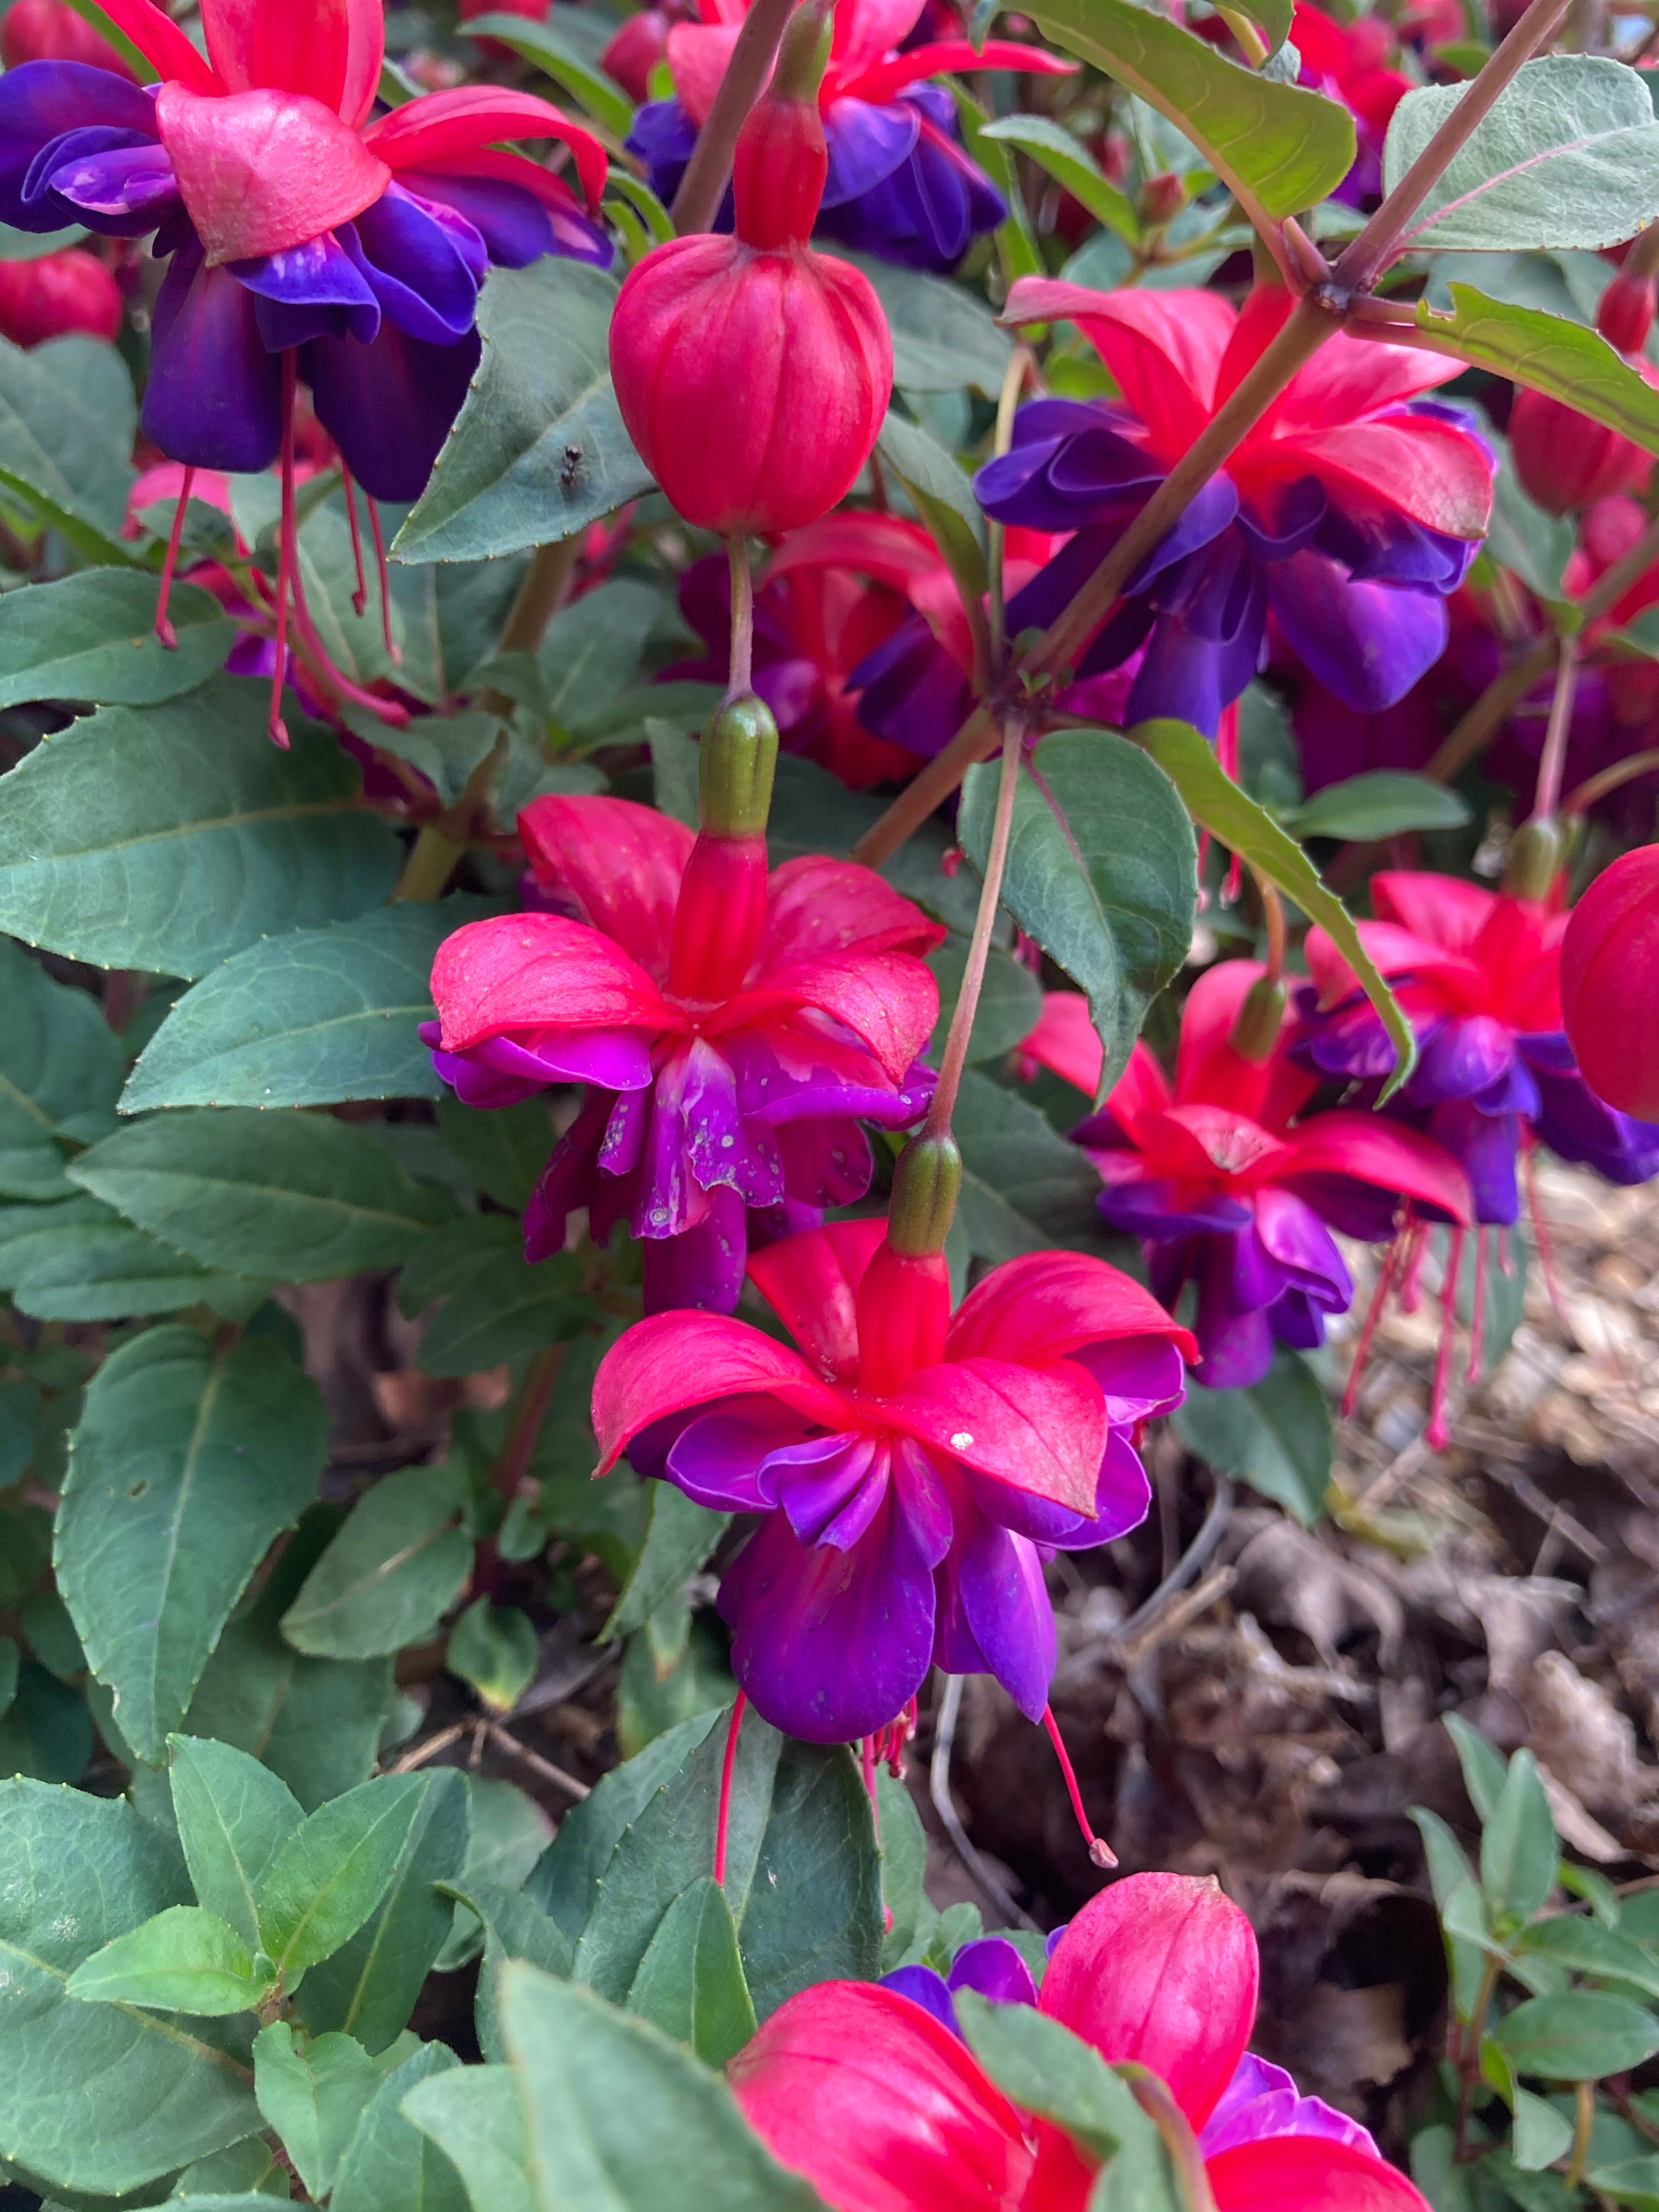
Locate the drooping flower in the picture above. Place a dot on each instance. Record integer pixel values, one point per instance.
(1225, 1189)
(295, 225)
(912, 1467)
(1349, 511)
(1610, 984)
(734, 1030)
(900, 184)
(58, 295)
(879, 2103)
(753, 374)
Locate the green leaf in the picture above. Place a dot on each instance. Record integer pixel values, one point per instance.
(1214, 800)
(316, 1723)
(1458, 1901)
(943, 335)
(674, 759)
(1541, 2134)
(92, 636)
(1010, 1002)
(679, 1537)
(1023, 1185)
(1518, 1845)
(1524, 536)
(1485, 1767)
(295, 1197)
(169, 840)
(590, 651)
(1549, 354)
(98, 2101)
(1585, 1946)
(944, 497)
(512, 1928)
(1631, 2181)
(233, 1816)
(46, 1731)
(1578, 2036)
(313, 2094)
(307, 1018)
(497, 1305)
(1569, 156)
(597, 2109)
(1103, 870)
(506, 1833)
(1381, 803)
(330, 1874)
(493, 1648)
(903, 1843)
(690, 1981)
(84, 1263)
(184, 1465)
(67, 422)
(389, 2166)
(802, 1875)
(1070, 163)
(1275, 1434)
(566, 1879)
(184, 1959)
(60, 1070)
(559, 56)
(503, 1148)
(538, 450)
(1277, 148)
(10, 1657)
(369, 1986)
(394, 1570)
(247, 2171)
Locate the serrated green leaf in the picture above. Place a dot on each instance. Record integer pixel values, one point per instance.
(67, 422)
(391, 1574)
(1568, 157)
(1586, 1947)
(85, 1263)
(389, 2166)
(1275, 1434)
(1214, 800)
(233, 1816)
(1381, 804)
(1070, 163)
(92, 636)
(307, 1018)
(329, 1876)
(313, 2094)
(1023, 1185)
(294, 1197)
(566, 1879)
(168, 839)
(1549, 354)
(184, 1465)
(60, 1070)
(944, 497)
(184, 1959)
(690, 1982)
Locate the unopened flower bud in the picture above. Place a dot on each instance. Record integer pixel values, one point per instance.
(1537, 854)
(53, 31)
(1566, 461)
(1624, 315)
(1610, 984)
(58, 296)
(1256, 1026)
(927, 1182)
(1162, 198)
(738, 759)
(635, 52)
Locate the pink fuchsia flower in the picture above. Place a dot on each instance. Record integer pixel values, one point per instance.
(753, 374)
(1610, 984)
(913, 1469)
(1350, 511)
(731, 1040)
(1225, 1190)
(56, 295)
(1350, 63)
(900, 184)
(884, 2109)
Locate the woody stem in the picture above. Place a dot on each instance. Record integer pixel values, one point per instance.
(747, 73)
(938, 1123)
(1552, 760)
(740, 668)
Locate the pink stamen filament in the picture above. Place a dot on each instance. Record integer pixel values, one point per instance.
(164, 629)
(287, 551)
(360, 597)
(1540, 1234)
(1385, 1275)
(1436, 1433)
(1477, 1309)
(1416, 1246)
(1100, 1852)
(393, 652)
(727, 1766)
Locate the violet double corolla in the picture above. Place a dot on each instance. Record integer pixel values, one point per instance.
(734, 1029)
(1349, 511)
(900, 184)
(1224, 1191)
(912, 1467)
(870, 2092)
(297, 230)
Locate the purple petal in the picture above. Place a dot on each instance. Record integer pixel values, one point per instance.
(566, 1183)
(928, 1989)
(721, 1147)
(41, 104)
(1461, 1057)
(996, 1579)
(718, 1458)
(1295, 1237)
(389, 406)
(310, 291)
(994, 1967)
(702, 1268)
(1369, 643)
(913, 693)
(826, 1160)
(1148, 1206)
(866, 142)
(1580, 1127)
(1485, 1145)
(424, 263)
(1140, 1377)
(1300, 510)
(512, 222)
(625, 1132)
(831, 1487)
(1261, 2101)
(214, 398)
(120, 182)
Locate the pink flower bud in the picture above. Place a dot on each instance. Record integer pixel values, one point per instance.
(1163, 198)
(57, 295)
(1566, 461)
(631, 56)
(753, 373)
(50, 31)
(1625, 314)
(1610, 984)
(1161, 1969)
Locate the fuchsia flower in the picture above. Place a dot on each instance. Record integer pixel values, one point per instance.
(56, 295)
(912, 1468)
(1349, 511)
(881, 2106)
(1348, 63)
(1224, 1191)
(900, 184)
(1610, 983)
(734, 1030)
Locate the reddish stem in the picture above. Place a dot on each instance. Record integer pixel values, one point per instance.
(287, 552)
(727, 1766)
(164, 629)
(393, 650)
(1100, 1852)
(360, 597)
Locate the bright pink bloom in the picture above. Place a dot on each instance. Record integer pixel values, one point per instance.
(635, 51)
(910, 1466)
(51, 30)
(57, 294)
(1348, 62)
(883, 2108)
(1610, 984)
(1224, 1191)
(734, 1028)
(753, 374)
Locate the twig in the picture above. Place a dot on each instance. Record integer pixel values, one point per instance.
(434, 1744)
(938, 1792)
(1191, 1561)
(1552, 759)
(1176, 1616)
(956, 1043)
(747, 73)
(504, 1740)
